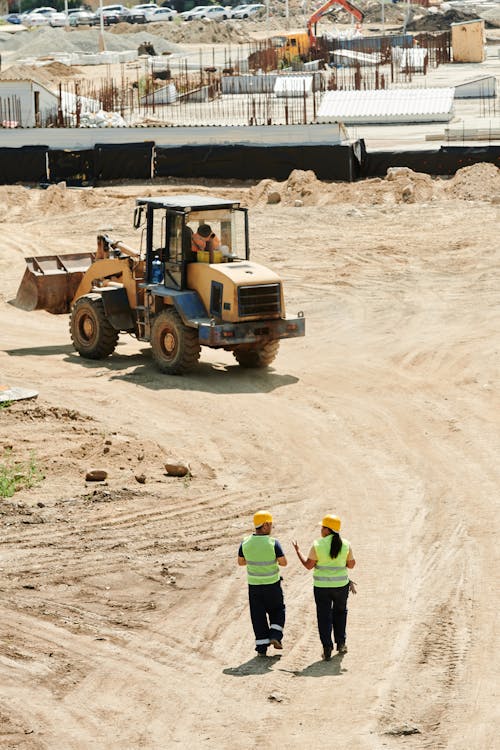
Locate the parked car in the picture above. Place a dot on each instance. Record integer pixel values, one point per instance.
(188, 15)
(111, 14)
(38, 17)
(58, 19)
(160, 14)
(13, 18)
(137, 14)
(248, 11)
(213, 13)
(81, 18)
(237, 8)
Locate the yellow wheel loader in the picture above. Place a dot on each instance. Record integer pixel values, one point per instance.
(171, 293)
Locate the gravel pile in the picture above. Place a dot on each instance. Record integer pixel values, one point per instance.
(46, 41)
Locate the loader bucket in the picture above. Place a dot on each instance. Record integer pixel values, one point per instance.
(50, 281)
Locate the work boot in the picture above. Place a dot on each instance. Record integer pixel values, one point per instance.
(341, 648)
(261, 653)
(276, 643)
(327, 653)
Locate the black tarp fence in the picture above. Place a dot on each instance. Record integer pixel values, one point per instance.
(73, 167)
(249, 162)
(142, 161)
(443, 161)
(121, 161)
(24, 164)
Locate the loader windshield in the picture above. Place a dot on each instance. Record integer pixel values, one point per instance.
(228, 226)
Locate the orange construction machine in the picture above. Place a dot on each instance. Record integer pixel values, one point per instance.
(299, 46)
(356, 12)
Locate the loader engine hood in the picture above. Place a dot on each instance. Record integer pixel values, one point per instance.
(237, 291)
(245, 273)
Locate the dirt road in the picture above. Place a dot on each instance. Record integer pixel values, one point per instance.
(124, 620)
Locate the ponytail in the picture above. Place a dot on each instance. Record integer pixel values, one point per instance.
(335, 545)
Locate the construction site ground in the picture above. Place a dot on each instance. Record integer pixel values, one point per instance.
(124, 619)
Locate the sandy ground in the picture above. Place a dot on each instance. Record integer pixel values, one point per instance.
(124, 619)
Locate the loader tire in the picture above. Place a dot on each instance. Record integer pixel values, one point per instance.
(257, 356)
(92, 334)
(176, 348)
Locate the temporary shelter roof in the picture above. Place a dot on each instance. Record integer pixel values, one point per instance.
(387, 106)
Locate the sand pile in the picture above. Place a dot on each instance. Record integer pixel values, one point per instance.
(410, 187)
(60, 199)
(194, 32)
(401, 185)
(302, 188)
(478, 182)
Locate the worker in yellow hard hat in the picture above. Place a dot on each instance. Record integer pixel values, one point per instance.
(263, 555)
(330, 557)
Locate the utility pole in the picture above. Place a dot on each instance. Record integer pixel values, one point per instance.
(102, 43)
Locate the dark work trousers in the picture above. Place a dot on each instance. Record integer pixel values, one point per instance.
(331, 610)
(267, 610)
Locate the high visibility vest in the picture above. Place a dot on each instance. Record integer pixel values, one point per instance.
(212, 242)
(330, 573)
(262, 568)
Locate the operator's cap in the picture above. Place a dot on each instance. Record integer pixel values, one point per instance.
(331, 522)
(261, 517)
(205, 230)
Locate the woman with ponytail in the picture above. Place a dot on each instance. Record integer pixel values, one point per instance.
(330, 556)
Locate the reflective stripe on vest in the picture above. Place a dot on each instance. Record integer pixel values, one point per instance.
(328, 572)
(258, 551)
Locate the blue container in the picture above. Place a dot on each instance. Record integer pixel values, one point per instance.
(156, 271)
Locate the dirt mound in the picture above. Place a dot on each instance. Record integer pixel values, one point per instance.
(439, 21)
(57, 70)
(13, 200)
(409, 186)
(203, 32)
(302, 188)
(477, 182)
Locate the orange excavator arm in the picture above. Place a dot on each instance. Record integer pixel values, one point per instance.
(346, 4)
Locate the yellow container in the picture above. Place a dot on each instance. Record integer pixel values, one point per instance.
(203, 256)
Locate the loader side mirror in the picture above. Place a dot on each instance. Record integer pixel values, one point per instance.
(138, 214)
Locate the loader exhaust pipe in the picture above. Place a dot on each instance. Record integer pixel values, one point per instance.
(50, 282)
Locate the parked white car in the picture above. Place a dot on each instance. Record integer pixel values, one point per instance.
(38, 17)
(213, 13)
(160, 14)
(237, 9)
(188, 15)
(57, 19)
(248, 11)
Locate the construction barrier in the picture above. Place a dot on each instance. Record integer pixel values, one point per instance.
(249, 162)
(443, 161)
(121, 161)
(72, 167)
(25, 164)
(144, 161)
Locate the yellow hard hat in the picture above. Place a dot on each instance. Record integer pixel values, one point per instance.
(262, 516)
(331, 522)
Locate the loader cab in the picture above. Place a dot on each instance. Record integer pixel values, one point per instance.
(169, 224)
